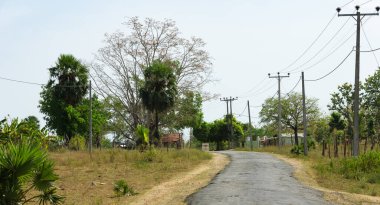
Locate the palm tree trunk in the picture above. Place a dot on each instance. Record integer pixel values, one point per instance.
(156, 134)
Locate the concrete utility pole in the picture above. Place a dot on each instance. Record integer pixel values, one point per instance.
(279, 77)
(90, 119)
(358, 17)
(250, 125)
(229, 116)
(304, 116)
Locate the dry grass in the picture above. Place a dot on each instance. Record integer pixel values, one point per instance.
(85, 180)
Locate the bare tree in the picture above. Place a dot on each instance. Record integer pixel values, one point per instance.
(118, 66)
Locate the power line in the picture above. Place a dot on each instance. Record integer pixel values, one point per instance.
(328, 55)
(346, 4)
(21, 81)
(311, 45)
(294, 87)
(320, 50)
(369, 44)
(259, 92)
(370, 51)
(334, 68)
(39, 84)
(254, 88)
(244, 109)
(365, 2)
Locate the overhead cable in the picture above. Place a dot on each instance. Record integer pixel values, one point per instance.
(333, 69)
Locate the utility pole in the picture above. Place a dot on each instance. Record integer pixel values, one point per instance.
(279, 77)
(304, 116)
(229, 116)
(358, 17)
(249, 126)
(90, 119)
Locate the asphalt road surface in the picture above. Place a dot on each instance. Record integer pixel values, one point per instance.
(256, 178)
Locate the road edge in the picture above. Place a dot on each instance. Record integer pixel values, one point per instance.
(304, 173)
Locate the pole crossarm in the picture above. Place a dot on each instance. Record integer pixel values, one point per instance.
(229, 115)
(279, 77)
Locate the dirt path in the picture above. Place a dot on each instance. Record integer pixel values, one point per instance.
(256, 178)
(178, 188)
(305, 174)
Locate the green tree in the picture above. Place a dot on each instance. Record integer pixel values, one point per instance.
(321, 132)
(202, 132)
(79, 118)
(32, 122)
(371, 105)
(159, 91)
(337, 126)
(67, 86)
(219, 132)
(187, 111)
(291, 112)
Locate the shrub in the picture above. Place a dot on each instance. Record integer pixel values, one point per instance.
(297, 149)
(121, 188)
(26, 175)
(367, 164)
(77, 143)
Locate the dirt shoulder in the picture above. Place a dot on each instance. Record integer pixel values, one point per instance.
(179, 187)
(304, 172)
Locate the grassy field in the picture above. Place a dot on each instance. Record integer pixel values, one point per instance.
(361, 176)
(90, 180)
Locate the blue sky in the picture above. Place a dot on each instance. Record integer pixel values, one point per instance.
(246, 38)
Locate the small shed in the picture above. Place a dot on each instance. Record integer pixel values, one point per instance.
(172, 139)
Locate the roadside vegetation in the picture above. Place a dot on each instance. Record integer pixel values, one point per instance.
(93, 179)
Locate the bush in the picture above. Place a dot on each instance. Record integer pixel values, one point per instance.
(297, 149)
(77, 143)
(367, 164)
(26, 175)
(121, 188)
(152, 155)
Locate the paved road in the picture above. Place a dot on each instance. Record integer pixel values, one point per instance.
(256, 178)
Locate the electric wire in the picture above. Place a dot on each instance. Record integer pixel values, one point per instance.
(333, 69)
(328, 55)
(21, 81)
(298, 82)
(347, 4)
(334, 50)
(320, 50)
(244, 109)
(365, 2)
(39, 84)
(312, 44)
(370, 51)
(369, 44)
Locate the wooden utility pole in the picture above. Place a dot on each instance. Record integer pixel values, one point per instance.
(279, 77)
(250, 126)
(304, 116)
(358, 17)
(90, 119)
(229, 116)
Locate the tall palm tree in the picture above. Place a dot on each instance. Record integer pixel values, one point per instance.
(159, 90)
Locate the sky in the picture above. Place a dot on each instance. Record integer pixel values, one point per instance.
(247, 39)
